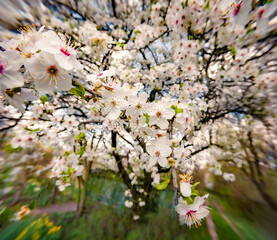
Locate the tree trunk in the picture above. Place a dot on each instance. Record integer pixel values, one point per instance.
(18, 193)
(81, 204)
(53, 195)
(83, 183)
(175, 185)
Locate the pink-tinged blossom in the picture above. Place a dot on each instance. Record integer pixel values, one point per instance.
(159, 150)
(70, 122)
(18, 141)
(100, 75)
(24, 139)
(113, 104)
(263, 16)
(56, 118)
(37, 110)
(47, 74)
(181, 154)
(64, 54)
(138, 104)
(241, 12)
(25, 42)
(159, 113)
(192, 214)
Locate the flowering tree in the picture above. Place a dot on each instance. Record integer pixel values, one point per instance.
(152, 90)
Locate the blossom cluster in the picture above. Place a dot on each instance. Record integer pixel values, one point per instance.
(41, 58)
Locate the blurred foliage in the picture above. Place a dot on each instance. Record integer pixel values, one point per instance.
(31, 228)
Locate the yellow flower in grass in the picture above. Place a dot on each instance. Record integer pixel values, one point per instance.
(36, 236)
(54, 229)
(22, 234)
(48, 223)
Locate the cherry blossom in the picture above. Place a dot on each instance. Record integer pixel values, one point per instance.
(64, 54)
(159, 115)
(159, 150)
(47, 74)
(192, 214)
(70, 122)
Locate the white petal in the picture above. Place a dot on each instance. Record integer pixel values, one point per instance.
(166, 150)
(168, 113)
(202, 212)
(64, 61)
(181, 209)
(162, 123)
(44, 85)
(113, 114)
(77, 65)
(64, 83)
(185, 189)
(143, 97)
(152, 161)
(163, 162)
(11, 80)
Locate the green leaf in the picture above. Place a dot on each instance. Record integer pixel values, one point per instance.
(32, 204)
(79, 91)
(207, 6)
(194, 193)
(70, 171)
(43, 99)
(5, 215)
(163, 185)
(176, 109)
(81, 136)
(137, 31)
(120, 44)
(194, 185)
(81, 151)
(31, 130)
(9, 149)
(189, 200)
(168, 177)
(186, 3)
(147, 117)
(71, 25)
(233, 51)
(67, 153)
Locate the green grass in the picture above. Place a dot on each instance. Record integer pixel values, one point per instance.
(106, 223)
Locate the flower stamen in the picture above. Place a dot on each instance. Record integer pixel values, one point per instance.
(186, 178)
